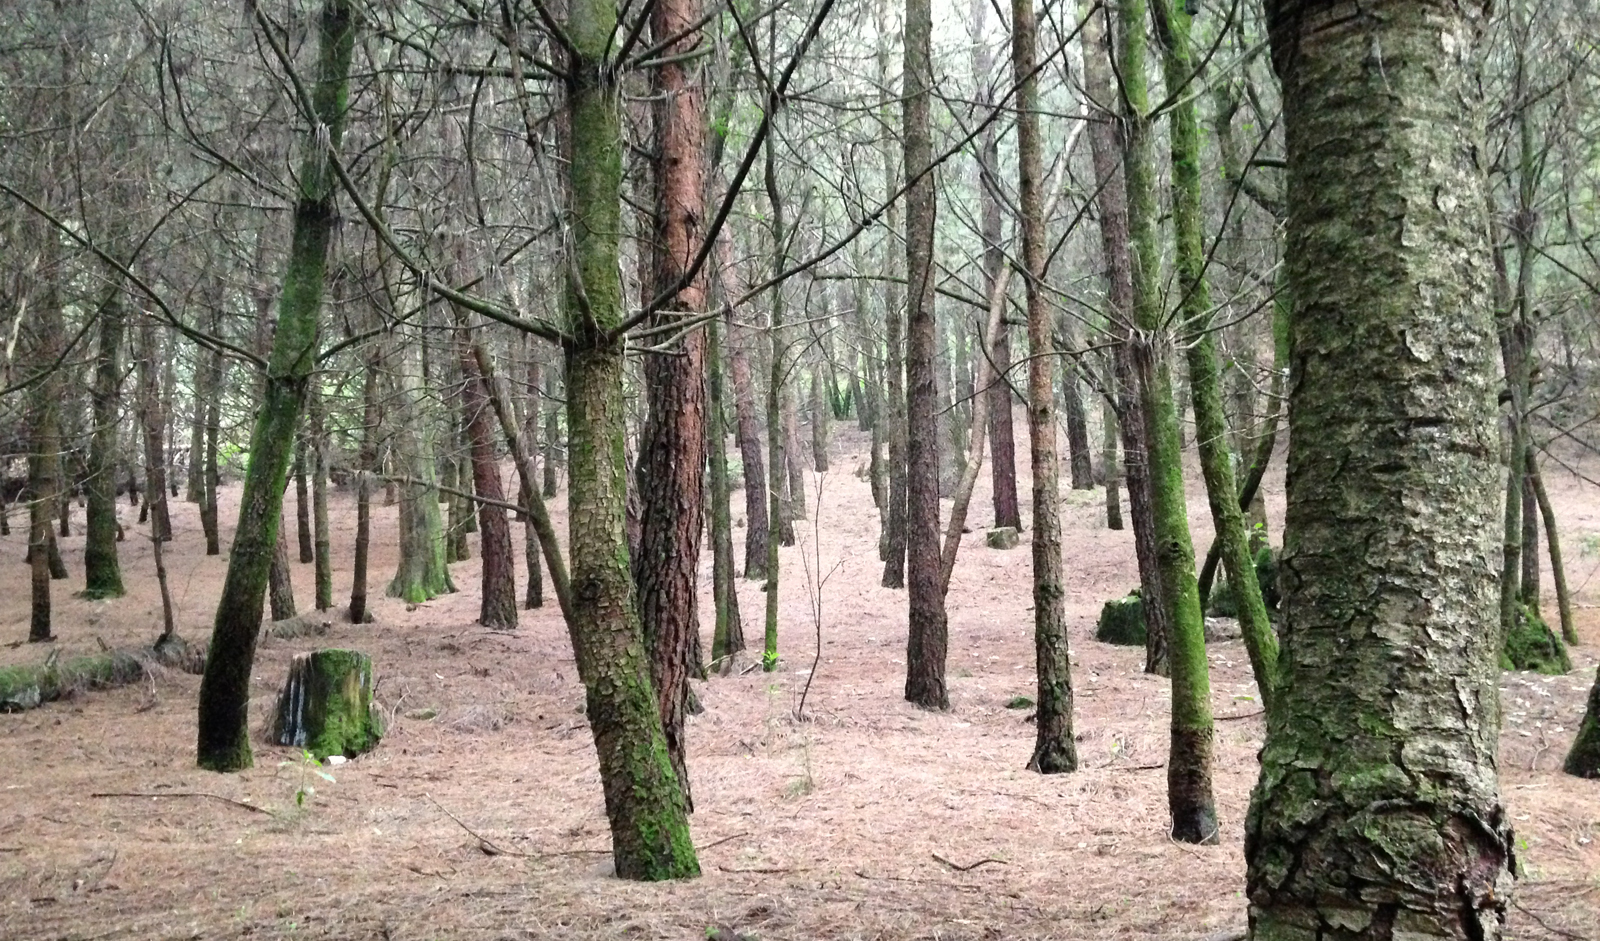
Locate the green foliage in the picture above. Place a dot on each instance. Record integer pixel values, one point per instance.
(308, 765)
(1019, 702)
(1122, 621)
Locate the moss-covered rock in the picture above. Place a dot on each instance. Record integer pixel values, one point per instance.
(1532, 645)
(1584, 759)
(1122, 621)
(326, 706)
(1003, 537)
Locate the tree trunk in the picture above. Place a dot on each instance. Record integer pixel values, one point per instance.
(302, 502)
(1194, 815)
(1558, 572)
(1108, 458)
(727, 639)
(927, 640)
(748, 431)
(1106, 149)
(154, 424)
(1055, 750)
(821, 414)
(893, 544)
(366, 467)
(280, 581)
(45, 334)
(323, 538)
(672, 446)
(777, 510)
(1377, 814)
(1205, 385)
(1583, 760)
(423, 572)
(1530, 537)
(102, 571)
(211, 390)
(224, 738)
(532, 546)
(644, 800)
(1077, 426)
(497, 608)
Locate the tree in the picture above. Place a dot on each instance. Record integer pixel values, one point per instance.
(1377, 814)
(1054, 748)
(224, 734)
(927, 641)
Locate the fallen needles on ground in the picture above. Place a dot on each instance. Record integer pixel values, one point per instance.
(202, 794)
(970, 866)
(1546, 925)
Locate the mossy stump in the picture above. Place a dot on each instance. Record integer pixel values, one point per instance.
(1003, 537)
(1584, 759)
(1122, 621)
(326, 706)
(1532, 645)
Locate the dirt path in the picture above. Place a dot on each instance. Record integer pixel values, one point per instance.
(854, 823)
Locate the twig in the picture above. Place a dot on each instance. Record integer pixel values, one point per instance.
(971, 866)
(1546, 925)
(726, 839)
(485, 845)
(764, 871)
(1242, 715)
(1155, 767)
(946, 885)
(215, 797)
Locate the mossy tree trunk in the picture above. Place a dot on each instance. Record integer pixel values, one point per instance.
(644, 801)
(1194, 816)
(1105, 145)
(45, 336)
(1205, 384)
(302, 499)
(422, 572)
(892, 545)
(1584, 759)
(1377, 811)
(777, 480)
(224, 737)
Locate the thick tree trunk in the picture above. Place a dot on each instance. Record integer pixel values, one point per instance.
(154, 424)
(1584, 759)
(927, 640)
(1054, 750)
(224, 737)
(1377, 813)
(102, 571)
(1194, 815)
(644, 800)
(821, 415)
(45, 334)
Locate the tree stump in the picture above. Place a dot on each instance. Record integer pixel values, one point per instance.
(1122, 621)
(326, 706)
(1003, 537)
(1532, 645)
(1584, 759)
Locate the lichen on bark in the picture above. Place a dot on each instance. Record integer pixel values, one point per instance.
(1377, 812)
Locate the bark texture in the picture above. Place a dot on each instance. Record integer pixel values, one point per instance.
(1377, 813)
(927, 640)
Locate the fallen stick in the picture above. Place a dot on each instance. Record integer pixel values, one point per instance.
(201, 794)
(970, 866)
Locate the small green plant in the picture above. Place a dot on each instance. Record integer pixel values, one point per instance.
(1019, 702)
(308, 765)
(1589, 545)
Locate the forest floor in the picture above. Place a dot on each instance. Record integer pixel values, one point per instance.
(867, 819)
